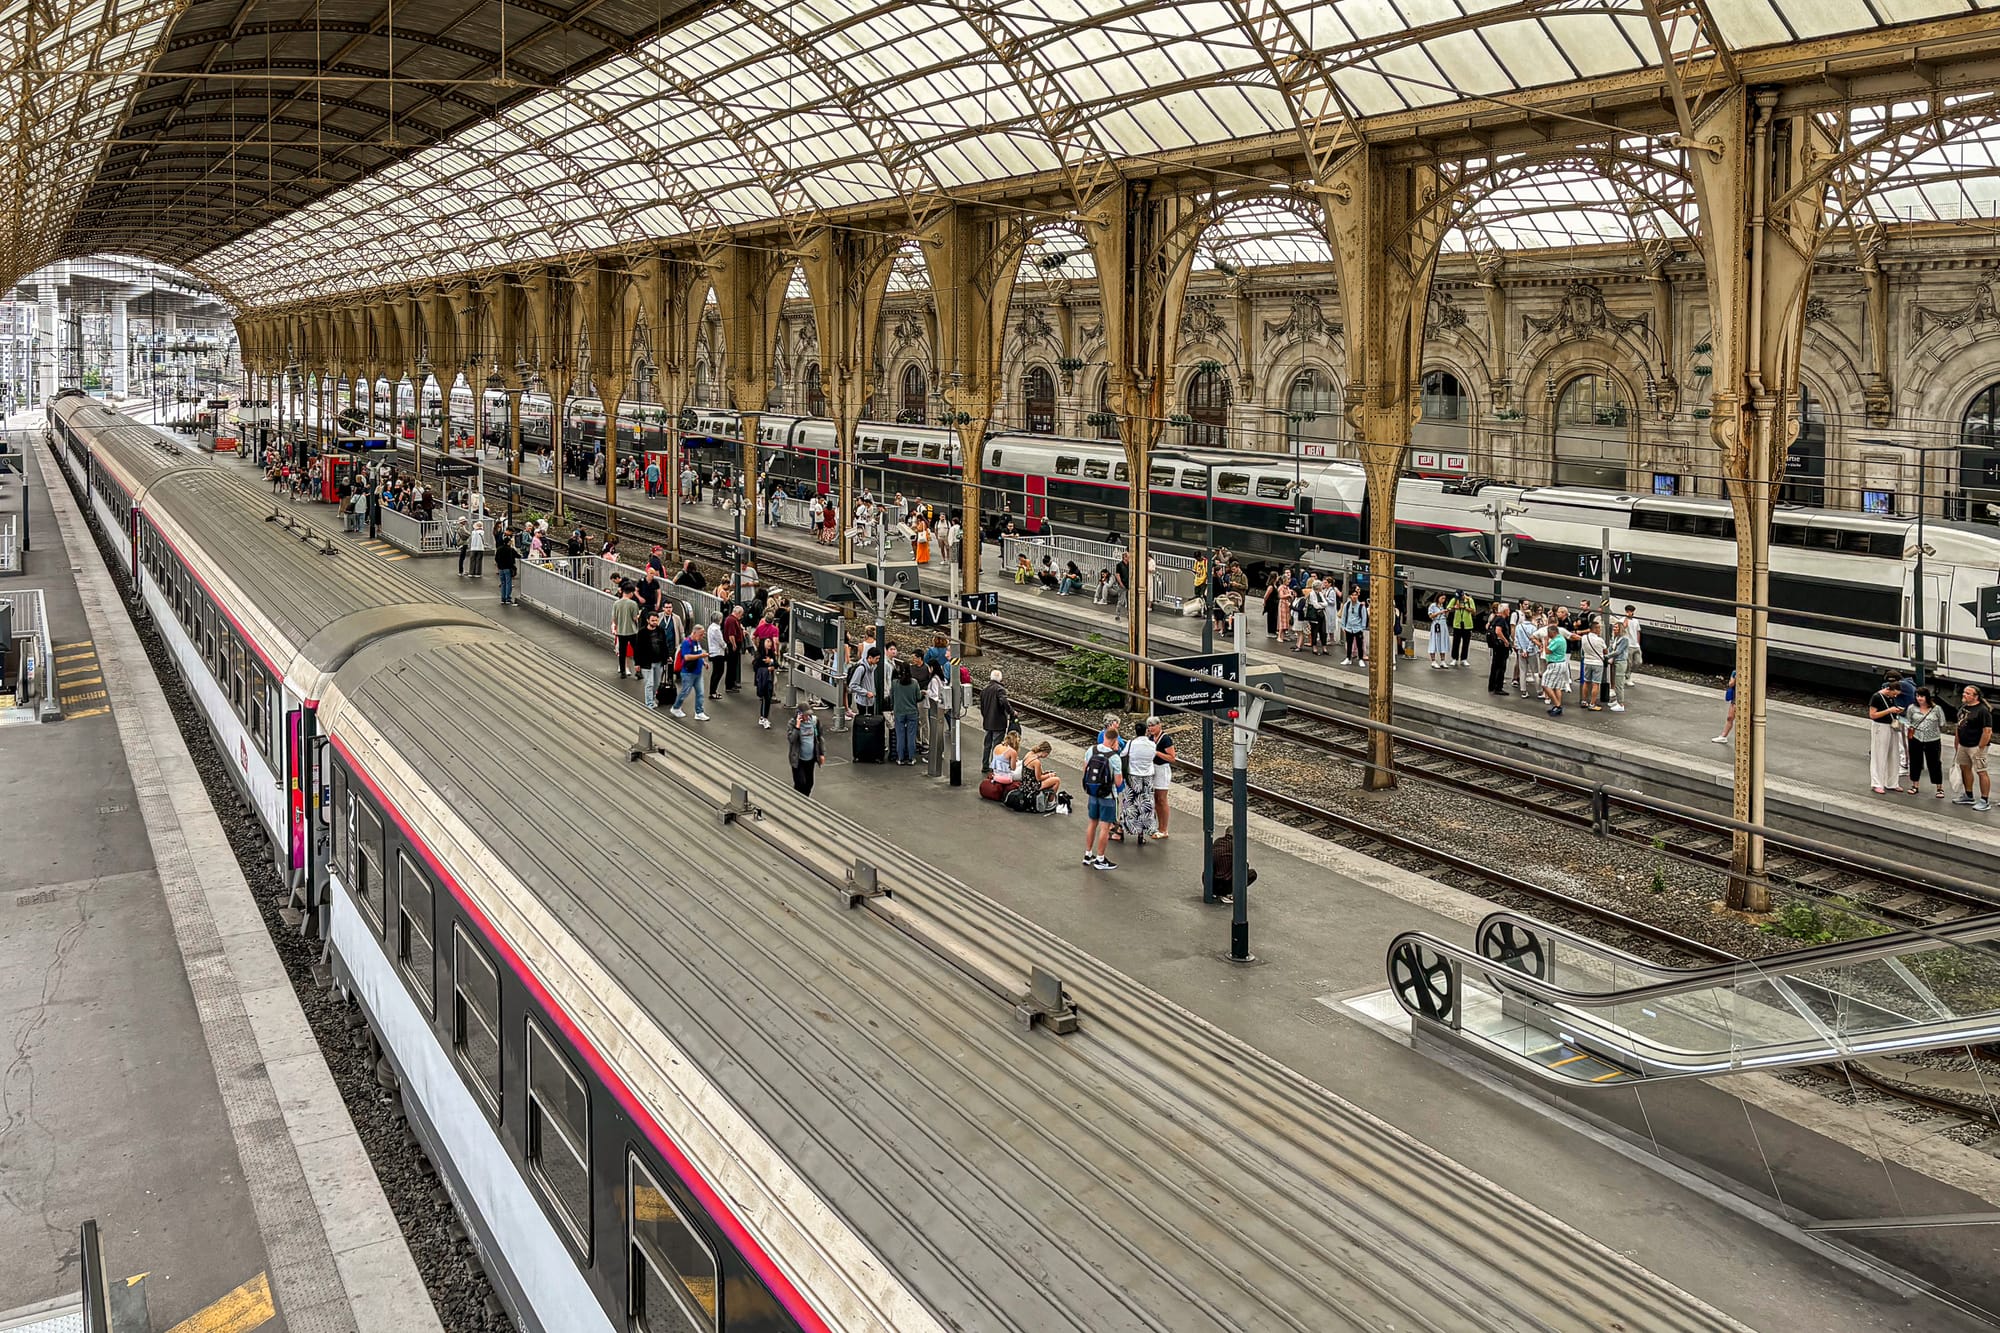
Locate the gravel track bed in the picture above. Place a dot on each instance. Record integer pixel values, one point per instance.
(444, 1256)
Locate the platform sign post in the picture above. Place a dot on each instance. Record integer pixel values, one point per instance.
(1201, 684)
(1239, 817)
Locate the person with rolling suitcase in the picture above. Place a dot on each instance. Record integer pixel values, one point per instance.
(870, 733)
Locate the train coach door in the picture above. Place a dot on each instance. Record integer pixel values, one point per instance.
(1035, 502)
(1937, 620)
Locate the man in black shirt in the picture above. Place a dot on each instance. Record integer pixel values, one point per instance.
(1975, 733)
(1500, 642)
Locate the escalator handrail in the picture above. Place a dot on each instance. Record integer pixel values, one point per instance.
(1893, 944)
(1623, 1045)
(1705, 979)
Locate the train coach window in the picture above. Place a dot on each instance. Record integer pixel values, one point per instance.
(238, 686)
(1161, 478)
(1232, 483)
(675, 1284)
(559, 1134)
(369, 889)
(343, 834)
(259, 712)
(1197, 482)
(1274, 488)
(933, 451)
(1097, 469)
(1067, 467)
(475, 1018)
(413, 930)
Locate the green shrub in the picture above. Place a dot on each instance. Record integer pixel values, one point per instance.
(1089, 678)
(1819, 923)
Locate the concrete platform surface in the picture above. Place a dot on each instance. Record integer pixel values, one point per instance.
(160, 1075)
(1321, 921)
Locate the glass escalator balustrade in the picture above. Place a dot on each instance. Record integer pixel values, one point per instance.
(1576, 1010)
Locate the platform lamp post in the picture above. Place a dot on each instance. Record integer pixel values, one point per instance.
(1917, 591)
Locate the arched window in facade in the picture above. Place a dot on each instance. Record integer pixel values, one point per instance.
(911, 406)
(703, 383)
(1805, 456)
(1107, 416)
(1312, 413)
(815, 394)
(1980, 428)
(1038, 401)
(1592, 433)
(1208, 408)
(1444, 398)
(1978, 489)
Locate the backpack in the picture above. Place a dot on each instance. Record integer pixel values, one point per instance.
(1020, 799)
(1097, 771)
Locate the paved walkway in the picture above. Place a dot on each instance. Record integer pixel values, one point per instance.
(160, 1074)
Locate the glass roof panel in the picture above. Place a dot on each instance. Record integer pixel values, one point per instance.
(752, 107)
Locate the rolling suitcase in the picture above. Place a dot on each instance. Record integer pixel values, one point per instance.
(870, 739)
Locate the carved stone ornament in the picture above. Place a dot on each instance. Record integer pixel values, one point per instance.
(1200, 322)
(1442, 315)
(1818, 308)
(1094, 333)
(1581, 314)
(808, 339)
(1979, 310)
(1303, 323)
(1034, 324)
(909, 329)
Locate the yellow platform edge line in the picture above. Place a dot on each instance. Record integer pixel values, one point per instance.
(246, 1308)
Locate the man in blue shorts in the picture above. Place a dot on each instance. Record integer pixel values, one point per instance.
(1103, 775)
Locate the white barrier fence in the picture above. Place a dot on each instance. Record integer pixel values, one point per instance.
(1173, 578)
(10, 544)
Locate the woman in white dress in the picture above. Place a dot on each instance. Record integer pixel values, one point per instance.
(1440, 644)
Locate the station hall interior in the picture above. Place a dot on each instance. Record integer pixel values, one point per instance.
(1478, 523)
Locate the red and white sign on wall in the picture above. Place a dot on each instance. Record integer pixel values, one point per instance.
(1430, 460)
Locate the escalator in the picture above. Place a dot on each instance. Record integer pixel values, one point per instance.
(1567, 1009)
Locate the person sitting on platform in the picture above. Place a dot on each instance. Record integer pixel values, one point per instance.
(1072, 581)
(1024, 569)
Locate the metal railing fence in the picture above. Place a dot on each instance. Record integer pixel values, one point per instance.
(35, 669)
(417, 536)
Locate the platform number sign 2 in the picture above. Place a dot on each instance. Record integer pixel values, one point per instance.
(1590, 565)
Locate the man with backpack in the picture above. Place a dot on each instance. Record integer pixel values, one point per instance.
(1103, 775)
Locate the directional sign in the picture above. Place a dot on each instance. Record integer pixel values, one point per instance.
(1989, 612)
(1197, 684)
(975, 604)
(1590, 565)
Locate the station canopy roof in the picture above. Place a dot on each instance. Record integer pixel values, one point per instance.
(287, 149)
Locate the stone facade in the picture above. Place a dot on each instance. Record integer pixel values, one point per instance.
(1587, 367)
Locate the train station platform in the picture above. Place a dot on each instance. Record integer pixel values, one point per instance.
(1817, 781)
(160, 1075)
(1662, 745)
(1321, 920)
